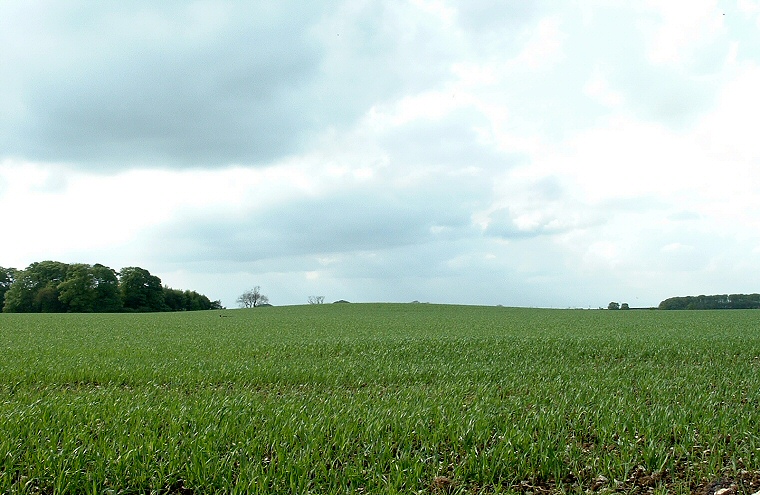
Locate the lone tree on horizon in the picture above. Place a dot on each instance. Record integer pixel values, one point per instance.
(252, 298)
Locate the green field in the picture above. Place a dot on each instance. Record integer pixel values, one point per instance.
(386, 398)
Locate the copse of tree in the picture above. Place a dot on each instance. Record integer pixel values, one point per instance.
(55, 287)
(721, 301)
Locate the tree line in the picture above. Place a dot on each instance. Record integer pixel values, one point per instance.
(56, 287)
(720, 301)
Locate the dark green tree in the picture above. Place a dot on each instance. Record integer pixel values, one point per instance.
(718, 301)
(196, 301)
(141, 291)
(19, 298)
(174, 299)
(89, 289)
(52, 286)
(7, 275)
(188, 300)
(107, 294)
(35, 289)
(613, 305)
(77, 291)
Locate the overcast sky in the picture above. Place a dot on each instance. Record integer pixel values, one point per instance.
(524, 153)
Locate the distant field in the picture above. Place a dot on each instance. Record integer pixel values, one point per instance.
(390, 398)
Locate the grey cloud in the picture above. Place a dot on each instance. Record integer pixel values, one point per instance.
(450, 142)
(684, 215)
(153, 91)
(545, 190)
(244, 82)
(544, 204)
(638, 204)
(497, 25)
(666, 95)
(553, 210)
(467, 271)
(412, 262)
(346, 222)
(496, 14)
(380, 49)
(425, 194)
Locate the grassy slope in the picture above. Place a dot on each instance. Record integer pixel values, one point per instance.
(378, 399)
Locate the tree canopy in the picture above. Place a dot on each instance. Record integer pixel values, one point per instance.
(55, 287)
(141, 291)
(721, 301)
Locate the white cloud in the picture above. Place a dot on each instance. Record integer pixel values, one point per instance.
(599, 89)
(543, 48)
(682, 28)
(728, 132)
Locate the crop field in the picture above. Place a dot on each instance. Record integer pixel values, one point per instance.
(381, 398)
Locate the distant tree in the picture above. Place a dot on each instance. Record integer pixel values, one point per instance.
(189, 300)
(196, 301)
(673, 303)
(52, 286)
(624, 306)
(175, 299)
(613, 305)
(7, 275)
(107, 293)
(90, 289)
(19, 298)
(49, 275)
(252, 298)
(720, 301)
(141, 291)
(316, 299)
(77, 291)
(35, 289)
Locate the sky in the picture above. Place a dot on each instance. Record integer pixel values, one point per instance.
(543, 154)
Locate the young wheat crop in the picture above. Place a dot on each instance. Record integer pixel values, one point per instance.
(391, 398)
